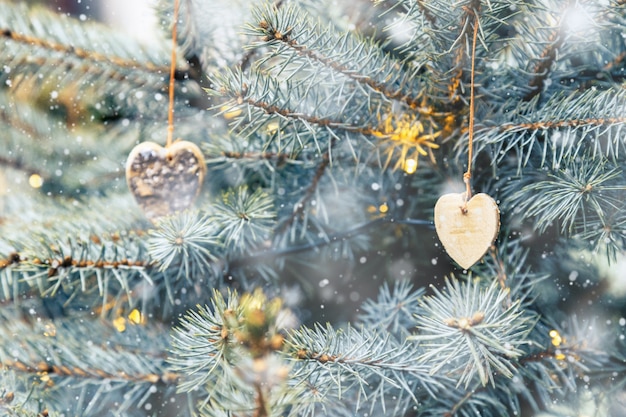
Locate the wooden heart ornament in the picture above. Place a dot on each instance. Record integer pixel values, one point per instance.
(165, 180)
(466, 230)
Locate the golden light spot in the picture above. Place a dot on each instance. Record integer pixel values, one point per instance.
(272, 128)
(383, 208)
(50, 330)
(35, 181)
(372, 209)
(409, 137)
(410, 165)
(559, 355)
(120, 324)
(230, 112)
(136, 317)
(557, 340)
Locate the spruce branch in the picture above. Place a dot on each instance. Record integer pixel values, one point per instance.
(570, 195)
(246, 218)
(47, 48)
(75, 354)
(203, 341)
(471, 330)
(363, 365)
(230, 351)
(189, 241)
(290, 37)
(18, 397)
(568, 125)
(393, 310)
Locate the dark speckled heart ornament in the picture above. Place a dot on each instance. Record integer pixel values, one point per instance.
(165, 180)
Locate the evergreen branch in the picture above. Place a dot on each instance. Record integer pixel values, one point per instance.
(83, 372)
(544, 64)
(37, 27)
(575, 123)
(18, 397)
(228, 339)
(100, 359)
(580, 354)
(369, 366)
(47, 48)
(83, 54)
(394, 309)
(558, 124)
(187, 240)
(278, 157)
(297, 115)
(345, 54)
(352, 348)
(472, 331)
(245, 218)
(269, 108)
(208, 32)
(301, 205)
(469, 18)
(568, 196)
(205, 331)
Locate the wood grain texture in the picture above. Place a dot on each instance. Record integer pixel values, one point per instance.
(466, 235)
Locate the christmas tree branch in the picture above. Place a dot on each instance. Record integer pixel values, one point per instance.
(272, 109)
(557, 124)
(544, 64)
(345, 54)
(469, 18)
(84, 55)
(301, 205)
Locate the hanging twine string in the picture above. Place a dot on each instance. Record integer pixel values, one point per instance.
(468, 174)
(170, 110)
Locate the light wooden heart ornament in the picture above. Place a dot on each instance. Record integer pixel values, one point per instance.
(467, 229)
(165, 180)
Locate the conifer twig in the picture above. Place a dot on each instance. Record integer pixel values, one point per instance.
(542, 68)
(310, 191)
(413, 102)
(333, 124)
(544, 125)
(83, 372)
(81, 53)
(459, 60)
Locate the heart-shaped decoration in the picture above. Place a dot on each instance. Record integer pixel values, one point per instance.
(165, 180)
(466, 230)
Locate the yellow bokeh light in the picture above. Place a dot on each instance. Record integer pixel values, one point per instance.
(136, 317)
(557, 340)
(410, 165)
(230, 112)
(35, 181)
(50, 330)
(384, 208)
(120, 324)
(272, 128)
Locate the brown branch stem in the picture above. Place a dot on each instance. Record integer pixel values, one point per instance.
(80, 52)
(76, 372)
